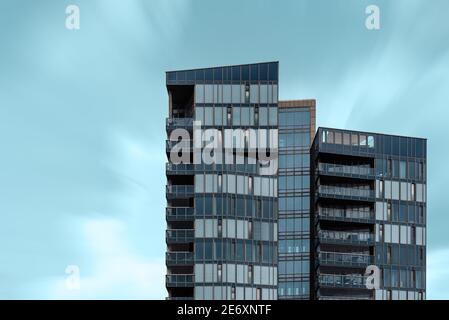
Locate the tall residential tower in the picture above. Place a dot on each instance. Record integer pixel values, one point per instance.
(369, 208)
(221, 217)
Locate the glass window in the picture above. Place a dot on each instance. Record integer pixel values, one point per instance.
(244, 116)
(363, 140)
(273, 116)
(338, 138)
(330, 137)
(402, 169)
(346, 139)
(371, 141)
(199, 114)
(263, 116)
(218, 116)
(236, 116)
(354, 140)
(208, 116)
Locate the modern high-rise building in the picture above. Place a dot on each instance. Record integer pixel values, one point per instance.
(296, 132)
(369, 208)
(340, 201)
(221, 217)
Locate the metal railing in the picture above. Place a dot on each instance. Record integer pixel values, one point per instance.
(340, 258)
(345, 236)
(179, 122)
(191, 168)
(346, 191)
(184, 144)
(179, 190)
(346, 169)
(346, 213)
(180, 235)
(342, 280)
(179, 280)
(179, 258)
(179, 213)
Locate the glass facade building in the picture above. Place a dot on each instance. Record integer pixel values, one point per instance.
(369, 208)
(338, 202)
(221, 218)
(296, 131)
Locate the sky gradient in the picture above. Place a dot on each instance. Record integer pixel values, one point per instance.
(82, 119)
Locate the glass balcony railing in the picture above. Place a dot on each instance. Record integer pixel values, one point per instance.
(180, 169)
(179, 280)
(337, 213)
(179, 258)
(342, 280)
(345, 192)
(179, 191)
(179, 213)
(180, 235)
(343, 236)
(338, 169)
(184, 144)
(346, 259)
(179, 122)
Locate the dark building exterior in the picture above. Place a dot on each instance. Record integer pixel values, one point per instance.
(339, 201)
(368, 208)
(296, 131)
(221, 218)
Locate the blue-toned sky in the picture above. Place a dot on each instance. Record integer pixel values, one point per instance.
(82, 119)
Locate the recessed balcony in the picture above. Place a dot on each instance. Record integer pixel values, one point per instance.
(179, 258)
(345, 237)
(346, 193)
(339, 170)
(345, 259)
(179, 280)
(179, 191)
(179, 235)
(342, 281)
(179, 213)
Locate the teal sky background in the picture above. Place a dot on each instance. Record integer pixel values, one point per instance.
(82, 119)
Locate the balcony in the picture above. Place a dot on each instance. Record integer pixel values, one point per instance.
(346, 193)
(179, 235)
(342, 281)
(186, 145)
(179, 258)
(345, 259)
(175, 123)
(179, 191)
(344, 237)
(364, 172)
(179, 213)
(179, 280)
(189, 169)
(348, 214)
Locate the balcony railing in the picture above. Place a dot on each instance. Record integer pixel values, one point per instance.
(179, 191)
(346, 192)
(338, 169)
(346, 237)
(179, 258)
(180, 235)
(336, 213)
(345, 259)
(179, 213)
(179, 122)
(180, 169)
(342, 280)
(179, 280)
(184, 144)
